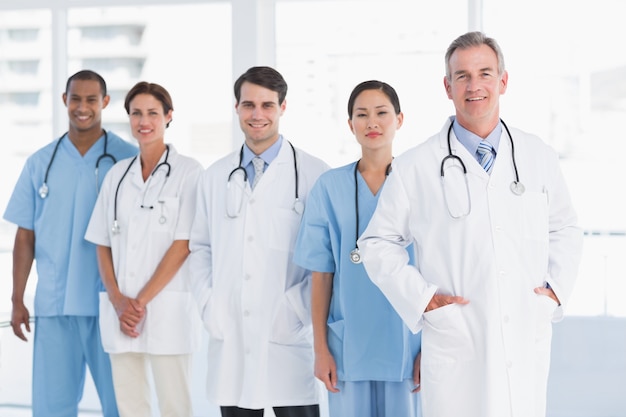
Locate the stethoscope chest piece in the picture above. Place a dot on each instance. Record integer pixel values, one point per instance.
(115, 229)
(355, 256)
(517, 188)
(298, 206)
(43, 190)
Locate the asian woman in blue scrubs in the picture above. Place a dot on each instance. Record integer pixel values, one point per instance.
(364, 354)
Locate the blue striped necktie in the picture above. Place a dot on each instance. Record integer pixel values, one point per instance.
(485, 153)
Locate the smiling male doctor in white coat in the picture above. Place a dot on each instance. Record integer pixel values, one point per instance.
(255, 301)
(496, 257)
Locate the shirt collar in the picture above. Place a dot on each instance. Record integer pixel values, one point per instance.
(268, 156)
(471, 140)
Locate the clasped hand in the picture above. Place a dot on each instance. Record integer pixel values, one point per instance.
(131, 315)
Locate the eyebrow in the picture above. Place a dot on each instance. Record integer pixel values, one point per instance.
(79, 96)
(377, 107)
(252, 102)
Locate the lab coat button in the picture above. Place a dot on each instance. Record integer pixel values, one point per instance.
(252, 201)
(250, 238)
(246, 313)
(247, 277)
(509, 364)
(506, 319)
(502, 273)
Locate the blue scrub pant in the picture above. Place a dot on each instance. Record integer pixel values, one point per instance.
(63, 346)
(374, 399)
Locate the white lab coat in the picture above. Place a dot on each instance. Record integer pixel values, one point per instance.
(489, 358)
(255, 300)
(172, 325)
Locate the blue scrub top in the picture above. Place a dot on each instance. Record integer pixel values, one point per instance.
(366, 336)
(68, 279)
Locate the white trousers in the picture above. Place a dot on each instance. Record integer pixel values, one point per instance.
(171, 375)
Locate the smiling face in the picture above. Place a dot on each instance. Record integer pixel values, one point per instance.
(84, 102)
(147, 120)
(259, 113)
(475, 88)
(374, 121)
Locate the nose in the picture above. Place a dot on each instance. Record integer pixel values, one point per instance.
(372, 123)
(472, 84)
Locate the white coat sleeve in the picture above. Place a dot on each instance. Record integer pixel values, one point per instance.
(200, 257)
(383, 248)
(566, 239)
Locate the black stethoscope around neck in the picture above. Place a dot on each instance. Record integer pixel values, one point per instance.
(115, 229)
(44, 190)
(355, 254)
(298, 206)
(516, 186)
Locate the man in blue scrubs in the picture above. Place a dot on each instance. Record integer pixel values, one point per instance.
(51, 206)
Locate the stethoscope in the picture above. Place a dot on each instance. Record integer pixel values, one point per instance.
(44, 190)
(298, 206)
(516, 186)
(162, 219)
(355, 254)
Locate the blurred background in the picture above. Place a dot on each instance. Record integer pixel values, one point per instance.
(567, 84)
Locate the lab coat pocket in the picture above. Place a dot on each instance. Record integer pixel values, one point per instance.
(164, 214)
(171, 324)
(213, 317)
(545, 307)
(110, 332)
(285, 224)
(535, 215)
(535, 228)
(287, 326)
(445, 336)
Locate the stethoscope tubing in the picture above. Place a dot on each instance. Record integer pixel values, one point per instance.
(516, 187)
(165, 163)
(245, 173)
(355, 255)
(453, 156)
(44, 189)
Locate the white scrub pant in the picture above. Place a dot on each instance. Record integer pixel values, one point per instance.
(63, 346)
(171, 375)
(374, 399)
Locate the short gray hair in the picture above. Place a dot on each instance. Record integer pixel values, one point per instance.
(469, 40)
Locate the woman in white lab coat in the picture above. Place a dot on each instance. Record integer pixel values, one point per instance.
(141, 224)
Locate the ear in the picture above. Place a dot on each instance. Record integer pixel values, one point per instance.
(65, 99)
(168, 117)
(400, 119)
(504, 82)
(105, 101)
(447, 86)
(283, 107)
(351, 127)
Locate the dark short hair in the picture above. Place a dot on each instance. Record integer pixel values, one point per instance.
(87, 75)
(152, 89)
(265, 77)
(374, 85)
